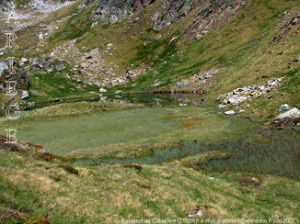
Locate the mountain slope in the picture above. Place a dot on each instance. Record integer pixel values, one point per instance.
(164, 43)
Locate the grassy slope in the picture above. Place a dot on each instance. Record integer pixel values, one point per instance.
(45, 87)
(242, 46)
(244, 49)
(109, 193)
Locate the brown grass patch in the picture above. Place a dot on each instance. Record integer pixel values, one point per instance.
(47, 156)
(15, 213)
(43, 182)
(191, 122)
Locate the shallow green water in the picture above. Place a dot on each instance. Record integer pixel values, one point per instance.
(198, 129)
(64, 134)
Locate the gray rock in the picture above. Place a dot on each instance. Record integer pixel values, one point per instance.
(23, 61)
(171, 12)
(293, 113)
(243, 94)
(182, 83)
(2, 51)
(222, 106)
(102, 90)
(114, 11)
(60, 66)
(230, 112)
(3, 66)
(25, 95)
(109, 46)
(41, 36)
(284, 107)
(156, 83)
(236, 99)
(47, 65)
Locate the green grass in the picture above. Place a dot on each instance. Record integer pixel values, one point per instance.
(109, 193)
(76, 26)
(46, 87)
(242, 47)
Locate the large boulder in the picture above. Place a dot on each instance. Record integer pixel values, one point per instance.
(24, 94)
(288, 118)
(293, 113)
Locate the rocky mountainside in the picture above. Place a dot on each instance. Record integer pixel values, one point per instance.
(114, 11)
(161, 46)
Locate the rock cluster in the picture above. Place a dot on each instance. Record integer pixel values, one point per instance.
(287, 27)
(114, 11)
(46, 65)
(171, 12)
(49, 6)
(113, 81)
(19, 77)
(207, 17)
(242, 94)
(195, 83)
(89, 65)
(203, 77)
